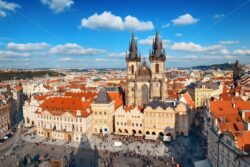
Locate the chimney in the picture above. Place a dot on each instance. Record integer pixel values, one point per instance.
(78, 112)
(83, 98)
(175, 103)
(233, 103)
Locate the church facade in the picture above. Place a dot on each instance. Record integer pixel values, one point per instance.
(145, 83)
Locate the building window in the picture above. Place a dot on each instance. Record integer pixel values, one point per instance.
(157, 68)
(132, 69)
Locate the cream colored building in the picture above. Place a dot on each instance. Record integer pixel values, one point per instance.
(204, 91)
(129, 121)
(166, 119)
(29, 108)
(64, 118)
(103, 108)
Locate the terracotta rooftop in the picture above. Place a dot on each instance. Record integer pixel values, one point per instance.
(60, 105)
(117, 97)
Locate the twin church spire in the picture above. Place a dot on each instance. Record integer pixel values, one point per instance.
(157, 52)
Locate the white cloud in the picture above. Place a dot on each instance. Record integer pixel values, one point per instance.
(185, 19)
(65, 59)
(7, 6)
(58, 5)
(119, 54)
(2, 14)
(149, 41)
(6, 54)
(242, 52)
(107, 60)
(166, 25)
(192, 47)
(74, 49)
(107, 20)
(27, 46)
(101, 60)
(218, 16)
(178, 34)
(228, 42)
(132, 23)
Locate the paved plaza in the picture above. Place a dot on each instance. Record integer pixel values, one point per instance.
(98, 151)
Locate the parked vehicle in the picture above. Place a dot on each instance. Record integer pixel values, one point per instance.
(116, 144)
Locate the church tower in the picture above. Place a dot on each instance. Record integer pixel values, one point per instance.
(133, 60)
(157, 59)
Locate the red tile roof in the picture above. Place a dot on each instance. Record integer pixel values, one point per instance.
(88, 95)
(229, 120)
(189, 99)
(117, 97)
(60, 105)
(242, 140)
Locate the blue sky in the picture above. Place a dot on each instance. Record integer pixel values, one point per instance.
(95, 34)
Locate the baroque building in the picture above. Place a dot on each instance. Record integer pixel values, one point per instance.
(145, 83)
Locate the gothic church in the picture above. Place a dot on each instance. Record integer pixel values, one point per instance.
(144, 83)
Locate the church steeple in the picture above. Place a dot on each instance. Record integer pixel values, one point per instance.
(158, 53)
(133, 52)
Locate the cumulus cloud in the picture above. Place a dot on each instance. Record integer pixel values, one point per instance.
(7, 54)
(218, 16)
(229, 42)
(149, 41)
(193, 47)
(7, 6)
(65, 59)
(27, 46)
(242, 52)
(74, 49)
(58, 6)
(185, 19)
(115, 54)
(107, 20)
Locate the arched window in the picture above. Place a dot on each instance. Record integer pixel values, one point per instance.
(132, 69)
(144, 94)
(156, 68)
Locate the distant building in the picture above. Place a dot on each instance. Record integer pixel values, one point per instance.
(236, 71)
(204, 91)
